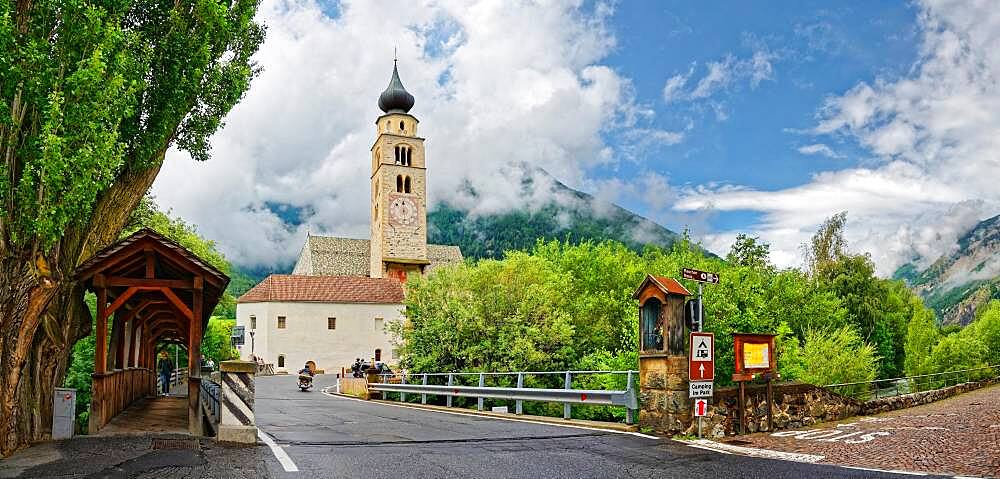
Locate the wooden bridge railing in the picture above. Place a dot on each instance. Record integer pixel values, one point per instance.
(114, 391)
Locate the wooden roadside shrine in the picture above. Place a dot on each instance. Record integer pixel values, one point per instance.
(157, 292)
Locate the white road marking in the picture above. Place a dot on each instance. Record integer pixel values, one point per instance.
(752, 451)
(891, 471)
(471, 414)
(279, 453)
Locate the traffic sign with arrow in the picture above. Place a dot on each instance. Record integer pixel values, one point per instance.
(700, 408)
(701, 363)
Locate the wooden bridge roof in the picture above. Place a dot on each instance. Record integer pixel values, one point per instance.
(148, 270)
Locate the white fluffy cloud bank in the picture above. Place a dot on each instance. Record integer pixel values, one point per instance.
(935, 137)
(495, 84)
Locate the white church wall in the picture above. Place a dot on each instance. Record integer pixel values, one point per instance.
(306, 336)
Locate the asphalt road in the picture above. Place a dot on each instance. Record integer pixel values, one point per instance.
(328, 436)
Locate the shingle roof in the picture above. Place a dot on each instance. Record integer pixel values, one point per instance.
(325, 289)
(333, 256)
(665, 284)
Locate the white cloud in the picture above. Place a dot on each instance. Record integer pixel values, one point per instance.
(935, 133)
(819, 149)
(722, 75)
(495, 86)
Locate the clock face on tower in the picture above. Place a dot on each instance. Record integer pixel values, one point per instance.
(402, 211)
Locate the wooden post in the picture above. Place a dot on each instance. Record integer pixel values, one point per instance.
(101, 335)
(742, 406)
(118, 342)
(770, 405)
(194, 360)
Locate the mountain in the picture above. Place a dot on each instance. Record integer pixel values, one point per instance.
(959, 284)
(565, 214)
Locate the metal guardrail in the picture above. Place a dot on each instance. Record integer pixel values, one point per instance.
(398, 383)
(210, 393)
(883, 388)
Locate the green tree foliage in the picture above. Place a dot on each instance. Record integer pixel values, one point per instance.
(217, 343)
(987, 329)
(921, 336)
(837, 356)
(879, 309)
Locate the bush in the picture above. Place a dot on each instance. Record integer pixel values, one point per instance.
(838, 356)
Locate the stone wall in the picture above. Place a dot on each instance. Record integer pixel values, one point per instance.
(904, 401)
(663, 394)
(795, 405)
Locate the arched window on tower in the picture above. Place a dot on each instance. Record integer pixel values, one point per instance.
(406, 185)
(409, 153)
(399, 183)
(402, 126)
(399, 155)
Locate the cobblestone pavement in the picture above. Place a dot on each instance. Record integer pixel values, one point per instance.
(150, 456)
(955, 436)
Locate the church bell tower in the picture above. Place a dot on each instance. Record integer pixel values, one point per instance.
(399, 188)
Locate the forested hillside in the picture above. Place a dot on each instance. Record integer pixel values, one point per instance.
(960, 285)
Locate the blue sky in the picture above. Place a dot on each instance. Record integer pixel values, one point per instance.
(760, 117)
(820, 49)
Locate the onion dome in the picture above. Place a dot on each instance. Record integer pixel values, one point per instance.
(395, 98)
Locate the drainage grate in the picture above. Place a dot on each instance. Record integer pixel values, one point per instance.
(175, 444)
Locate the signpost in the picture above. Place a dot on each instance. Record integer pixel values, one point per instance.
(701, 362)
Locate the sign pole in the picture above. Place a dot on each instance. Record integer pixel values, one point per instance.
(701, 326)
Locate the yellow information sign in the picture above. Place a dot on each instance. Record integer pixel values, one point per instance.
(755, 356)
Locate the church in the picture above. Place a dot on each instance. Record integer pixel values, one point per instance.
(343, 293)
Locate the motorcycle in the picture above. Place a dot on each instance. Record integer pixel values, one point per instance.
(305, 382)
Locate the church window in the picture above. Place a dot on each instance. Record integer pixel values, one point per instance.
(406, 185)
(406, 156)
(399, 183)
(331, 323)
(402, 126)
(378, 354)
(281, 360)
(398, 154)
(281, 322)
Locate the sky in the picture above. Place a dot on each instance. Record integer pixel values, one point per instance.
(757, 117)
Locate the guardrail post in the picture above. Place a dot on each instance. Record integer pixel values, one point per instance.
(451, 378)
(236, 421)
(402, 396)
(519, 404)
(423, 397)
(482, 384)
(629, 412)
(567, 409)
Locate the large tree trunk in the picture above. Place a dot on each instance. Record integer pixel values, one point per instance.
(42, 313)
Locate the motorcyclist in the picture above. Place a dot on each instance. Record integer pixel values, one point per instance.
(306, 370)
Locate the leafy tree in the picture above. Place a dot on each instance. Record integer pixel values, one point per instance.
(93, 94)
(750, 252)
(987, 329)
(838, 356)
(828, 245)
(921, 337)
(217, 343)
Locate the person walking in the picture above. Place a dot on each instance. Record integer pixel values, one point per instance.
(165, 367)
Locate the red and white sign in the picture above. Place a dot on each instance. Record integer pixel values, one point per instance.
(701, 362)
(700, 408)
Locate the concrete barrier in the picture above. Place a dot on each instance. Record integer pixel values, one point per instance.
(236, 419)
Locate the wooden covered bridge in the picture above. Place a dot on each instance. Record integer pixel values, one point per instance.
(157, 293)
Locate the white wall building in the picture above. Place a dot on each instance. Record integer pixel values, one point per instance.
(330, 320)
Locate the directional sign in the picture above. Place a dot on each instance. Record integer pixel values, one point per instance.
(237, 335)
(700, 389)
(701, 364)
(700, 276)
(700, 408)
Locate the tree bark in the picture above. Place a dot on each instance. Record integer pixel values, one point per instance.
(42, 312)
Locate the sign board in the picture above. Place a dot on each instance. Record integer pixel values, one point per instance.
(754, 353)
(700, 408)
(700, 389)
(701, 363)
(699, 276)
(237, 335)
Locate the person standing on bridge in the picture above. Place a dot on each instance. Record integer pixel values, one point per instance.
(165, 367)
